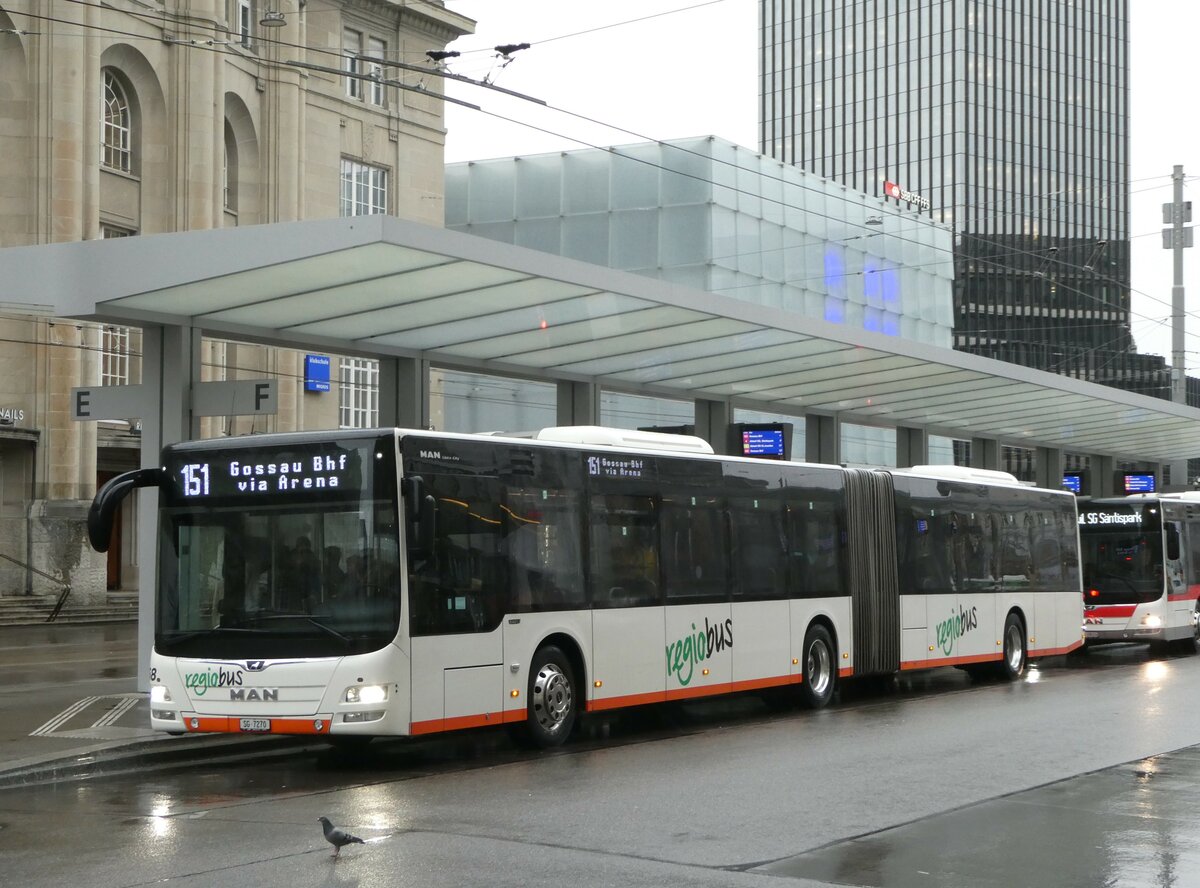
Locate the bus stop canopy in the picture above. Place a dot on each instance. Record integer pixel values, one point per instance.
(381, 286)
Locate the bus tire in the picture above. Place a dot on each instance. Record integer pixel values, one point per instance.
(553, 698)
(1015, 655)
(818, 661)
(1187, 646)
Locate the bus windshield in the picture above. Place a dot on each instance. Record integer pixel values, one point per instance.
(1121, 566)
(288, 553)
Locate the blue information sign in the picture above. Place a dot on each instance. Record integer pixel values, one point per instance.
(316, 373)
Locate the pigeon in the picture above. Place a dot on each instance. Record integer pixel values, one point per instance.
(337, 837)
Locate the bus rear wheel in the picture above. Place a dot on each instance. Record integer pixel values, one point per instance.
(1016, 656)
(819, 663)
(553, 697)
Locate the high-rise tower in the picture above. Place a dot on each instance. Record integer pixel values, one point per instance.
(1007, 121)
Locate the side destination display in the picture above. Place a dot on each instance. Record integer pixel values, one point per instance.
(255, 473)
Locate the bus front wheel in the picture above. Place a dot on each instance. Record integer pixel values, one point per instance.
(553, 697)
(820, 664)
(1016, 656)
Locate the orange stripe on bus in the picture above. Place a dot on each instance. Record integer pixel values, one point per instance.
(950, 661)
(628, 700)
(1055, 652)
(459, 722)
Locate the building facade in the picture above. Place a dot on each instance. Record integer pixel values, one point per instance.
(124, 119)
(1007, 122)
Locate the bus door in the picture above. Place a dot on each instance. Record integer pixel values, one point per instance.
(543, 547)
(1180, 601)
(695, 573)
(458, 596)
(628, 629)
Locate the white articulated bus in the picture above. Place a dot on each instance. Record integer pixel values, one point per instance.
(395, 582)
(1141, 569)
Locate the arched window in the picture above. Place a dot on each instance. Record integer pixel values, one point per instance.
(116, 127)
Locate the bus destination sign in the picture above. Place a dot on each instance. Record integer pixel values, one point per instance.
(258, 473)
(1109, 519)
(616, 467)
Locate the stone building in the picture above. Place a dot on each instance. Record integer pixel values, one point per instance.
(135, 119)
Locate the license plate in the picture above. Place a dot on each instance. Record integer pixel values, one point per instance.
(255, 725)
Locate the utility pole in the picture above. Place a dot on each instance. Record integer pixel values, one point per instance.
(1176, 238)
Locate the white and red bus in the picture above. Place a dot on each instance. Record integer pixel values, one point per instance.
(1141, 569)
(393, 582)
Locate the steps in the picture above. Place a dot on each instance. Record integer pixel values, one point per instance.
(24, 610)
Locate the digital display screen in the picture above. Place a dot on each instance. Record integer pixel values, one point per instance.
(1137, 482)
(1109, 519)
(260, 473)
(762, 442)
(1073, 482)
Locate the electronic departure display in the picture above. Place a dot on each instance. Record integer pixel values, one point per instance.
(260, 473)
(762, 442)
(1139, 482)
(1072, 481)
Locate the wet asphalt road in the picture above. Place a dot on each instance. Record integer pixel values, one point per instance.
(1068, 778)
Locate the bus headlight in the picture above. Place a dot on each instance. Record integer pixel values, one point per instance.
(160, 694)
(366, 694)
(1152, 621)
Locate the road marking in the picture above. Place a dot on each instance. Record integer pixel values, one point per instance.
(125, 702)
(117, 711)
(68, 713)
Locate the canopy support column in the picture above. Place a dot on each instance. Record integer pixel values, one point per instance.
(404, 393)
(712, 423)
(170, 367)
(985, 453)
(578, 403)
(912, 447)
(1050, 468)
(822, 439)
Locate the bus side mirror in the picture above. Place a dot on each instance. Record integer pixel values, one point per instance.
(427, 524)
(413, 488)
(109, 497)
(1172, 542)
(421, 509)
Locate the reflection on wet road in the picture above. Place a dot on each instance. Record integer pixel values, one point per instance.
(1133, 825)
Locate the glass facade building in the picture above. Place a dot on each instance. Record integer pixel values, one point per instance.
(713, 216)
(1007, 122)
(708, 214)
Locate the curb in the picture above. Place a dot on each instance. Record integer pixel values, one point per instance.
(157, 752)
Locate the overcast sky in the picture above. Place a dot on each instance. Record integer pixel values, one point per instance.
(693, 71)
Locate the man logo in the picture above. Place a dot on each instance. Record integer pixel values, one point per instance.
(254, 695)
(431, 454)
(256, 665)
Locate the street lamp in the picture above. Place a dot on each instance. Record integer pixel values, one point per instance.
(272, 19)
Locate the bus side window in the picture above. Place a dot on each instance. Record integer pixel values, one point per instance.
(462, 586)
(544, 547)
(624, 569)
